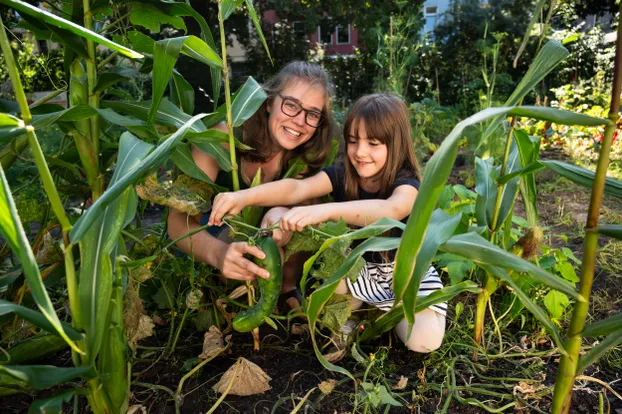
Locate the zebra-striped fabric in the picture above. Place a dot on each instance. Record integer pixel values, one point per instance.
(374, 286)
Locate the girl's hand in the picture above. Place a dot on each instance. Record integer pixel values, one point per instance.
(234, 265)
(298, 218)
(272, 217)
(226, 203)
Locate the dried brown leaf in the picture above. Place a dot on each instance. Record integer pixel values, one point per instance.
(186, 194)
(212, 343)
(335, 356)
(401, 384)
(141, 273)
(137, 325)
(248, 379)
(529, 390)
(327, 386)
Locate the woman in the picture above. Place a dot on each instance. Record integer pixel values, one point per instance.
(294, 121)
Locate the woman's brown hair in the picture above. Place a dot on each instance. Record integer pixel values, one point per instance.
(386, 119)
(256, 132)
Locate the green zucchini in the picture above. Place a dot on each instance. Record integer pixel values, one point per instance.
(269, 289)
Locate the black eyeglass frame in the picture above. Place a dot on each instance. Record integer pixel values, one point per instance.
(300, 109)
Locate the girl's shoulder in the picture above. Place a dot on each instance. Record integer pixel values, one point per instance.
(406, 176)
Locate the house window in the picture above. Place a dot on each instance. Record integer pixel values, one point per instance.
(430, 19)
(343, 35)
(324, 32)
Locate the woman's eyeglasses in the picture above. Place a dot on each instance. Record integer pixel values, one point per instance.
(291, 107)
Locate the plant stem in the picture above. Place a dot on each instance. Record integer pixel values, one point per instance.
(567, 369)
(181, 325)
(46, 98)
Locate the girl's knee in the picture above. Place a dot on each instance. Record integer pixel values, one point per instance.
(427, 333)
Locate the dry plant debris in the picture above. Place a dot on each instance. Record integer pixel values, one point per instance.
(212, 343)
(50, 253)
(327, 386)
(186, 194)
(137, 325)
(401, 384)
(248, 379)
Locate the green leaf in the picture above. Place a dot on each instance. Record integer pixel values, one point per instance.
(442, 227)
(247, 100)
(38, 319)
(10, 127)
(51, 19)
(295, 167)
(165, 53)
(583, 176)
(75, 113)
(389, 319)
(529, 151)
(228, 6)
(510, 190)
(214, 135)
(41, 377)
(153, 160)
(135, 126)
(486, 189)
(113, 76)
(604, 327)
(566, 270)
(253, 15)
(252, 214)
(556, 302)
(34, 348)
(535, 15)
(482, 252)
(13, 233)
(611, 230)
(336, 311)
(594, 354)
(182, 157)
(182, 93)
(96, 272)
(51, 405)
(141, 42)
(457, 270)
(151, 17)
(54, 34)
(551, 54)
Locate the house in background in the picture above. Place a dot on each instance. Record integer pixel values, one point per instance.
(433, 11)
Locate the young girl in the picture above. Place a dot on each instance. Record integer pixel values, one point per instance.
(378, 178)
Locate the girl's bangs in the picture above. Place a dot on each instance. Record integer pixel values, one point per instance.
(376, 124)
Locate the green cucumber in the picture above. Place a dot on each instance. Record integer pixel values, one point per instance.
(269, 289)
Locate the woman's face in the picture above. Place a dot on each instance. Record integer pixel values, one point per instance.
(289, 132)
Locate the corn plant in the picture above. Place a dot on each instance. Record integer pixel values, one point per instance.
(95, 288)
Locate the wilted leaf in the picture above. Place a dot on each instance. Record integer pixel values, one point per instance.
(336, 311)
(186, 194)
(141, 273)
(50, 253)
(248, 379)
(327, 386)
(336, 356)
(193, 299)
(401, 384)
(137, 325)
(528, 391)
(212, 343)
(299, 328)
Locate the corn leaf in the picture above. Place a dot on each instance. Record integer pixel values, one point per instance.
(33, 348)
(534, 16)
(486, 189)
(594, 354)
(253, 15)
(38, 319)
(526, 300)
(583, 177)
(13, 233)
(442, 227)
(228, 7)
(153, 160)
(41, 377)
(51, 19)
(95, 287)
(165, 54)
(246, 101)
(389, 319)
(482, 252)
(510, 189)
(182, 93)
(611, 230)
(529, 151)
(214, 135)
(51, 405)
(10, 127)
(113, 76)
(604, 327)
(182, 157)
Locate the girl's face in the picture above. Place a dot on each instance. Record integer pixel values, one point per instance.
(289, 132)
(367, 154)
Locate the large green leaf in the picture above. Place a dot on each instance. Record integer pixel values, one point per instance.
(150, 16)
(153, 160)
(38, 319)
(113, 76)
(75, 113)
(529, 151)
(182, 157)
(165, 55)
(604, 327)
(34, 348)
(442, 227)
(247, 100)
(51, 405)
(551, 54)
(389, 319)
(436, 174)
(140, 42)
(610, 230)
(229, 6)
(481, 251)
(256, 21)
(594, 354)
(510, 190)
(526, 300)
(213, 135)
(43, 31)
(486, 189)
(95, 287)
(182, 93)
(41, 377)
(583, 176)
(51, 19)
(13, 233)
(535, 14)
(10, 126)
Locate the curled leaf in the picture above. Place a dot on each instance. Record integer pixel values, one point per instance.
(401, 384)
(248, 379)
(193, 299)
(137, 325)
(327, 386)
(212, 343)
(186, 194)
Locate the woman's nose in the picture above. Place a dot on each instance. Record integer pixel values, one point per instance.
(300, 118)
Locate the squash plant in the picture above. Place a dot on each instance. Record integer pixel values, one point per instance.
(95, 282)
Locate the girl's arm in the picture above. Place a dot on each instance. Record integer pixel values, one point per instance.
(355, 213)
(277, 193)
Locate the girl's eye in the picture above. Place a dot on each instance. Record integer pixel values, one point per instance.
(374, 143)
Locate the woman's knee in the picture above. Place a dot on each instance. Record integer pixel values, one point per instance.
(427, 333)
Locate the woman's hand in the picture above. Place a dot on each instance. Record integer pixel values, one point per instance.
(298, 218)
(226, 203)
(233, 264)
(272, 217)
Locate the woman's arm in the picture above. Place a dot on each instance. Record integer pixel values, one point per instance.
(277, 193)
(355, 213)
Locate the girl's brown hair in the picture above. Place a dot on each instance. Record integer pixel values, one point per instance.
(386, 119)
(256, 132)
